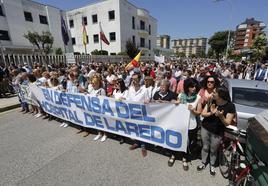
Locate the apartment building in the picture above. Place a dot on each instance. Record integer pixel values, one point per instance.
(246, 33)
(190, 46)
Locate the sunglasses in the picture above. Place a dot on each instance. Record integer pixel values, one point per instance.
(211, 82)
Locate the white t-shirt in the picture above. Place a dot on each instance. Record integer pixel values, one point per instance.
(119, 95)
(138, 96)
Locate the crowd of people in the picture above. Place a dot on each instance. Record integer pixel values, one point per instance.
(194, 82)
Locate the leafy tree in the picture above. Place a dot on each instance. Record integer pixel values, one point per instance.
(218, 42)
(210, 53)
(259, 47)
(42, 41)
(131, 49)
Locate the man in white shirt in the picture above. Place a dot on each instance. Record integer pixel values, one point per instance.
(138, 93)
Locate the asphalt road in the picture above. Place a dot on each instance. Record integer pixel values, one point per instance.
(37, 152)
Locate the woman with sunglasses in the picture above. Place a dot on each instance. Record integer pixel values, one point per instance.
(192, 99)
(209, 84)
(218, 113)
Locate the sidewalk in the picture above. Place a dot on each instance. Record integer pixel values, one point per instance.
(9, 103)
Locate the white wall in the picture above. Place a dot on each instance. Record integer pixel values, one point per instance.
(14, 22)
(101, 9)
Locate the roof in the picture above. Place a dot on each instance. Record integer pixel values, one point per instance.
(251, 21)
(247, 83)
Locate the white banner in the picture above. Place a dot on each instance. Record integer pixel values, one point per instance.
(159, 59)
(162, 124)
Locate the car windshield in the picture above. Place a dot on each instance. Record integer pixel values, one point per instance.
(250, 97)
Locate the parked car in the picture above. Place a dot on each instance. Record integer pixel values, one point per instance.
(250, 98)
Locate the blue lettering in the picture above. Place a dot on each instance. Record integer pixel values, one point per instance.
(86, 103)
(145, 116)
(57, 98)
(157, 134)
(132, 128)
(176, 135)
(98, 122)
(144, 131)
(89, 120)
(96, 104)
(135, 111)
(106, 107)
(107, 125)
(122, 110)
(119, 126)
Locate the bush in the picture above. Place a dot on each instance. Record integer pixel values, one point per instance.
(99, 52)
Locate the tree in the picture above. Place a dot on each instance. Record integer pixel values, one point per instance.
(211, 53)
(131, 49)
(218, 42)
(259, 47)
(43, 42)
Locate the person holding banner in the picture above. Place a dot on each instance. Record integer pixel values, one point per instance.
(162, 96)
(192, 99)
(120, 92)
(97, 90)
(137, 93)
(218, 113)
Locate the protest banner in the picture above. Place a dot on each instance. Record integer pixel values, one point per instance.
(162, 124)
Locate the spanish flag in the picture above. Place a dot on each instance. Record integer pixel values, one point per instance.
(135, 62)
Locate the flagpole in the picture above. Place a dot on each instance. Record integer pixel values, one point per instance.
(100, 37)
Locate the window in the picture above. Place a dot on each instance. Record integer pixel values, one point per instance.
(142, 25)
(111, 15)
(142, 42)
(1, 11)
(73, 41)
(251, 97)
(84, 20)
(87, 39)
(71, 23)
(112, 36)
(4, 35)
(94, 18)
(28, 16)
(133, 22)
(96, 38)
(149, 44)
(43, 19)
(134, 40)
(149, 29)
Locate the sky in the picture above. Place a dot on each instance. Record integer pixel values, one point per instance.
(189, 18)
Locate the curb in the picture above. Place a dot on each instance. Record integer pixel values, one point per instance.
(9, 107)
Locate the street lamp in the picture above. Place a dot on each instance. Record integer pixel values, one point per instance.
(229, 30)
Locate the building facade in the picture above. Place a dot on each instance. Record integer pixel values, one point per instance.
(163, 41)
(17, 17)
(191, 46)
(120, 21)
(246, 33)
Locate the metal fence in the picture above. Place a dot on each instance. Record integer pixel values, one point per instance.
(30, 59)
